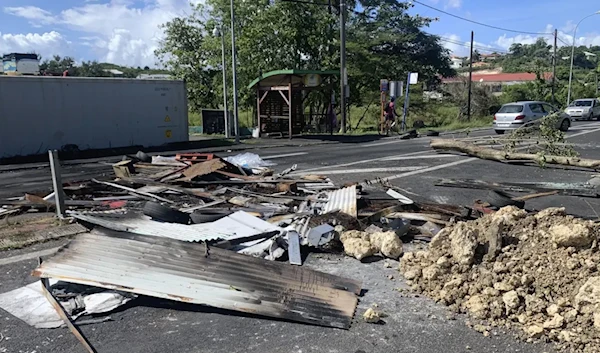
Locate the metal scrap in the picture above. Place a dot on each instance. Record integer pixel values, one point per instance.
(128, 262)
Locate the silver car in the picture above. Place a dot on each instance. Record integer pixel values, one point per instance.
(588, 108)
(512, 116)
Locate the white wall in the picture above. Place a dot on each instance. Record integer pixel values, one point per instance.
(41, 113)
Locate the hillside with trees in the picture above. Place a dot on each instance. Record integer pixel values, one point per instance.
(58, 65)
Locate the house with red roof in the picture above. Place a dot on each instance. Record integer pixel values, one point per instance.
(497, 80)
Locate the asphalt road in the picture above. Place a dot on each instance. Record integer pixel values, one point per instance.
(414, 324)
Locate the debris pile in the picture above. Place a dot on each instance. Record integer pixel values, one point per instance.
(198, 228)
(538, 273)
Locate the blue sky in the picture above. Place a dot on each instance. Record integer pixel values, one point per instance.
(126, 31)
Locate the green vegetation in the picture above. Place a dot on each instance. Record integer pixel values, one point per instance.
(57, 66)
(306, 37)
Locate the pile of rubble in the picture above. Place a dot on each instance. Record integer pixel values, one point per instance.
(224, 232)
(538, 273)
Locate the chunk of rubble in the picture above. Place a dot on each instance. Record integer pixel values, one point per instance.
(534, 272)
(362, 244)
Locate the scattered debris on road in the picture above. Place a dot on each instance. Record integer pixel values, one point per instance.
(200, 229)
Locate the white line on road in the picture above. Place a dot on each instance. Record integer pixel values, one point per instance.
(28, 256)
(582, 133)
(433, 156)
(452, 164)
(425, 170)
(365, 170)
(285, 155)
(335, 166)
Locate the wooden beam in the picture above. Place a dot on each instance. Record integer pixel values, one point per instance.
(291, 122)
(286, 99)
(274, 88)
(263, 97)
(258, 102)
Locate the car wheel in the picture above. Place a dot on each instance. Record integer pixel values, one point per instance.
(500, 132)
(564, 126)
(208, 216)
(165, 214)
(591, 116)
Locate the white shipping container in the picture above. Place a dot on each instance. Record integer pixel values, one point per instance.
(42, 113)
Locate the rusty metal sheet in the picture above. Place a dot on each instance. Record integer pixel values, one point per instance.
(202, 168)
(342, 200)
(183, 271)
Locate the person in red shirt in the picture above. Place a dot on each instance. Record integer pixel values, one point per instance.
(390, 113)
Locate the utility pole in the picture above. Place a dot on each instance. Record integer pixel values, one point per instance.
(343, 72)
(236, 121)
(470, 78)
(218, 31)
(554, 67)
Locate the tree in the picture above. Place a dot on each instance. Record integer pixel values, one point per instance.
(384, 41)
(57, 65)
(181, 51)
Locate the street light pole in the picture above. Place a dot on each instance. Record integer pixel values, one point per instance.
(218, 31)
(343, 72)
(573, 54)
(236, 123)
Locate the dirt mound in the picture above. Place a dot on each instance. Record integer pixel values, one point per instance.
(538, 273)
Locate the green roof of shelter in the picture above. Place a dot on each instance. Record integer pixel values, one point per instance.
(279, 77)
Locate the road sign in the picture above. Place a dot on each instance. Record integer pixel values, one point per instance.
(414, 78)
(383, 85)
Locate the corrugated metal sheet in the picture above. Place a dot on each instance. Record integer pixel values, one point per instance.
(182, 271)
(237, 225)
(343, 200)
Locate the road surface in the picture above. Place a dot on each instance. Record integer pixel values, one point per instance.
(414, 324)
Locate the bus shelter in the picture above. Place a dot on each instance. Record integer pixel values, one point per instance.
(280, 99)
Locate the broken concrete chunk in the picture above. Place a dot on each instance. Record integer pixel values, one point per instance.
(588, 295)
(556, 322)
(511, 301)
(372, 316)
(387, 243)
(534, 331)
(358, 248)
(575, 234)
(463, 242)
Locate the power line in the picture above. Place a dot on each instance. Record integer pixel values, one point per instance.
(478, 47)
(479, 23)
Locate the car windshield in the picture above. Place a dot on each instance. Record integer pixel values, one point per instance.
(511, 108)
(581, 104)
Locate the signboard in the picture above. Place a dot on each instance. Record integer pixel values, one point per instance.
(383, 85)
(396, 89)
(312, 80)
(414, 78)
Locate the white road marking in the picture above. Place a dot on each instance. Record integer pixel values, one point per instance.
(365, 170)
(285, 155)
(433, 156)
(426, 170)
(582, 133)
(452, 164)
(335, 166)
(395, 140)
(28, 256)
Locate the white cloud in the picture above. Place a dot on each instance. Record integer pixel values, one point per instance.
(116, 31)
(46, 44)
(453, 4)
(30, 13)
(565, 37)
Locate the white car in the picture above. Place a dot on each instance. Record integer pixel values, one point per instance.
(588, 109)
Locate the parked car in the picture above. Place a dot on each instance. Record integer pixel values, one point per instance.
(588, 108)
(514, 115)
